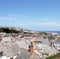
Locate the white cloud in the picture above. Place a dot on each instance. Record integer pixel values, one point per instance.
(52, 24)
(29, 22)
(7, 18)
(12, 17)
(18, 16)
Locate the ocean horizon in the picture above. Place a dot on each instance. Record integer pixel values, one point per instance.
(58, 32)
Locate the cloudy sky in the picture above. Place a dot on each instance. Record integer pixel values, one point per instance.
(39, 15)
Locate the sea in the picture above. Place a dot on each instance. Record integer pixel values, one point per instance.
(54, 31)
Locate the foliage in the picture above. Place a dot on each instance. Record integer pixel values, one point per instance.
(54, 56)
(27, 33)
(7, 30)
(43, 33)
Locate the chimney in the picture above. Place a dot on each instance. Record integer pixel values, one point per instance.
(31, 50)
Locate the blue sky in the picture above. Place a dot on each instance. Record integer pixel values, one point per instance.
(39, 15)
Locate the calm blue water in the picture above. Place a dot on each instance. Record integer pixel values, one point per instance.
(54, 31)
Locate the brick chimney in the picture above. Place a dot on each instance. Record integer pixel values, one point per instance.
(31, 50)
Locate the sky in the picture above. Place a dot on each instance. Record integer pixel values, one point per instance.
(38, 15)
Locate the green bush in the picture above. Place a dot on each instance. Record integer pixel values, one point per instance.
(7, 30)
(54, 57)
